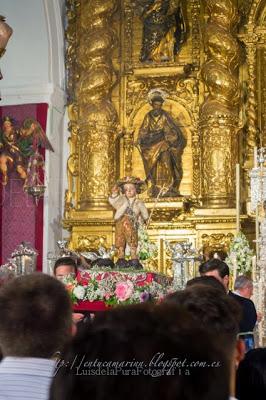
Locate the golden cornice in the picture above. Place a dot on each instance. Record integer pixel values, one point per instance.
(70, 223)
(188, 223)
(171, 69)
(221, 118)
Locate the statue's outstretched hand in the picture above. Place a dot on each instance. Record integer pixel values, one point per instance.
(115, 189)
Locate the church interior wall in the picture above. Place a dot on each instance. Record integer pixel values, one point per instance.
(33, 70)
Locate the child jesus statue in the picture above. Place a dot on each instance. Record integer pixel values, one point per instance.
(130, 211)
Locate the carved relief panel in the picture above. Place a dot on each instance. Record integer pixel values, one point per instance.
(172, 67)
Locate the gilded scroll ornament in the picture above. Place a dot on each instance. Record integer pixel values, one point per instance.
(195, 29)
(219, 113)
(73, 159)
(128, 150)
(216, 242)
(161, 144)
(164, 29)
(73, 8)
(90, 243)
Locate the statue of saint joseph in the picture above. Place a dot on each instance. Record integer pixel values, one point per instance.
(161, 144)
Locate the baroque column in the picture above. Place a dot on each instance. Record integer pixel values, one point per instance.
(251, 40)
(96, 115)
(219, 119)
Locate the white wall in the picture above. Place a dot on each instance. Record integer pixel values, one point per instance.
(26, 60)
(33, 70)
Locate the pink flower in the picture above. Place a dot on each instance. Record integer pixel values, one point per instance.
(107, 296)
(124, 290)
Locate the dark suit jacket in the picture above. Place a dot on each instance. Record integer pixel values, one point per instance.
(249, 316)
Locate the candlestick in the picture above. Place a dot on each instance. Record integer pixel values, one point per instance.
(237, 198)
(234, 259)
(254, 268)
(257, 232)
(255, 157)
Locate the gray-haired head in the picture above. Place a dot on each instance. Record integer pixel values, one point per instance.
(242, 281)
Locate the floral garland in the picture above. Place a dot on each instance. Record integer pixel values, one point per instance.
(146, 249)
(115, 288)
(240, 255)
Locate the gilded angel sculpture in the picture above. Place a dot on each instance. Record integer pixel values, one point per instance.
(164, 29)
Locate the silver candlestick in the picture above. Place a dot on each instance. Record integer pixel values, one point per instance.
(183, 257)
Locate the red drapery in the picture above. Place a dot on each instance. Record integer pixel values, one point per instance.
(20, 219)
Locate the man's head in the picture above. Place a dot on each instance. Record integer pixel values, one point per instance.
(146, 338)
(209, 281)
(244, 286)
(251, 376)
(216, 268)
(212, 308)
(7, 125)
(220, 254)
(157, 102)
(36, 316)
(65, 266)
(219, 314)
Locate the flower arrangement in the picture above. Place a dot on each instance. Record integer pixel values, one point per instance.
(146, 249)
(240, 255)
(115, 288)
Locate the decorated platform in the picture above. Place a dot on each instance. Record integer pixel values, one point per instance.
(96, 290)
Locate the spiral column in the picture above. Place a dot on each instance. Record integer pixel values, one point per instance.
(219, 112)
(96, 114)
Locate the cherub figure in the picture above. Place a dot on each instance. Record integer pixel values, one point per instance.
(18, 144)
(130, 211)
(32, 137)
(10, 153)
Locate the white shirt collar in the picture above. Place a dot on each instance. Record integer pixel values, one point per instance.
(28, 366)
(237, 293)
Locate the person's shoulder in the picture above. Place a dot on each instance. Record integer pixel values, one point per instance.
(236, 297)
(246, 301)
(249, 304)
(241, 299)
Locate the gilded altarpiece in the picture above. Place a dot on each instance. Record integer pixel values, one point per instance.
(111, 72)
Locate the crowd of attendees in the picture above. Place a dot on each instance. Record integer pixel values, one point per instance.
(192, 345)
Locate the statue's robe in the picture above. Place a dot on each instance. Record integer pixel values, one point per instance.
(164, 30)
(162, 142)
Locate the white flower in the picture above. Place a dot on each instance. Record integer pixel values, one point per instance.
(240, 254)
(79, 292)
